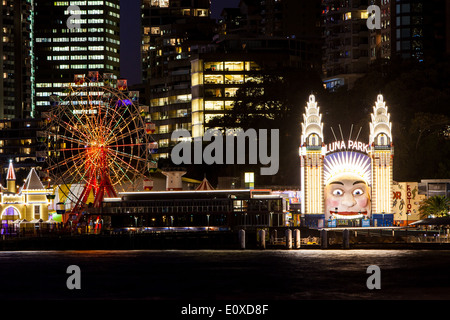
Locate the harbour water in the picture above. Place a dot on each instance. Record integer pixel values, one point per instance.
(225, 274)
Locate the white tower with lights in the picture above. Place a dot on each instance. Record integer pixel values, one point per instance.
(382, 153)
(312, 150)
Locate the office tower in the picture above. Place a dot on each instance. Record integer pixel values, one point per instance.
(74, 37)
(16, 59)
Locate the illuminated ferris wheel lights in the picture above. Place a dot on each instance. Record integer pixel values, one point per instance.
(98, 137)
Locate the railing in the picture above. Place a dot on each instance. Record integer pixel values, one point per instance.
(429, 239)
(303, 241)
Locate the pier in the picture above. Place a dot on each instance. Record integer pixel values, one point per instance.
(280, 238)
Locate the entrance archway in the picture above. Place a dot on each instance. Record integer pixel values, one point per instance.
(10, 213)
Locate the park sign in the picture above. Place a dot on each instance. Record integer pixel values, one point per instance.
(350, 145)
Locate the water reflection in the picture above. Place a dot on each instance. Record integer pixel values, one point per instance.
(208, 274)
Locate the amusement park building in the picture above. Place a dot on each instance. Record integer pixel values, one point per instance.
(28, 202)
(347, 182)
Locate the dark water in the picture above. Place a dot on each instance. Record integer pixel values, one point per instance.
(228, 275)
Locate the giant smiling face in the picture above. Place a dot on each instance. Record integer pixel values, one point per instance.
(347, 195)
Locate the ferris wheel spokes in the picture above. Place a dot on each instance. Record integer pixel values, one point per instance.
(97, 138)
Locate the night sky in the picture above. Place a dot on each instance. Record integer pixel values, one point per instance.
(130, 25)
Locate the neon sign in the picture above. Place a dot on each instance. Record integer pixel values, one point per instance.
(350, 146)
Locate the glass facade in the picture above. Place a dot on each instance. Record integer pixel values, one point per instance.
(16, 59)
(62, 50)
(216, 84)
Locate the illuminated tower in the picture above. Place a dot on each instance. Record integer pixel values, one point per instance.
(11, 179)
(173, 180)
(382, 153)
(311, 157)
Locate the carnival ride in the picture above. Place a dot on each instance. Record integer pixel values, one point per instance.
(98, 138)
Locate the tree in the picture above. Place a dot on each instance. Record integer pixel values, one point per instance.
(436, 206)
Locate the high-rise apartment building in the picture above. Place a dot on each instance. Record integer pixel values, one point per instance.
(291, 18)
(16, 59)
(417, 30)
(421, 29)
(193, 68)
(346, 40)
(169, 28)
(380, 46)
(172, 30)
(385, 48)
(74, 37)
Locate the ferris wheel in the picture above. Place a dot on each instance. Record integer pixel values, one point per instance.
(99, 139)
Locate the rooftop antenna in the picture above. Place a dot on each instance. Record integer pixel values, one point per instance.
(358, 133)
(333, 133)
(340, 129)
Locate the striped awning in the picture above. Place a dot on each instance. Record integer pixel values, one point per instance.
(205, 185)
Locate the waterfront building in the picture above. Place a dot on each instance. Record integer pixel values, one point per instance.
(16, 59)
(193, 210)
(74, 37)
